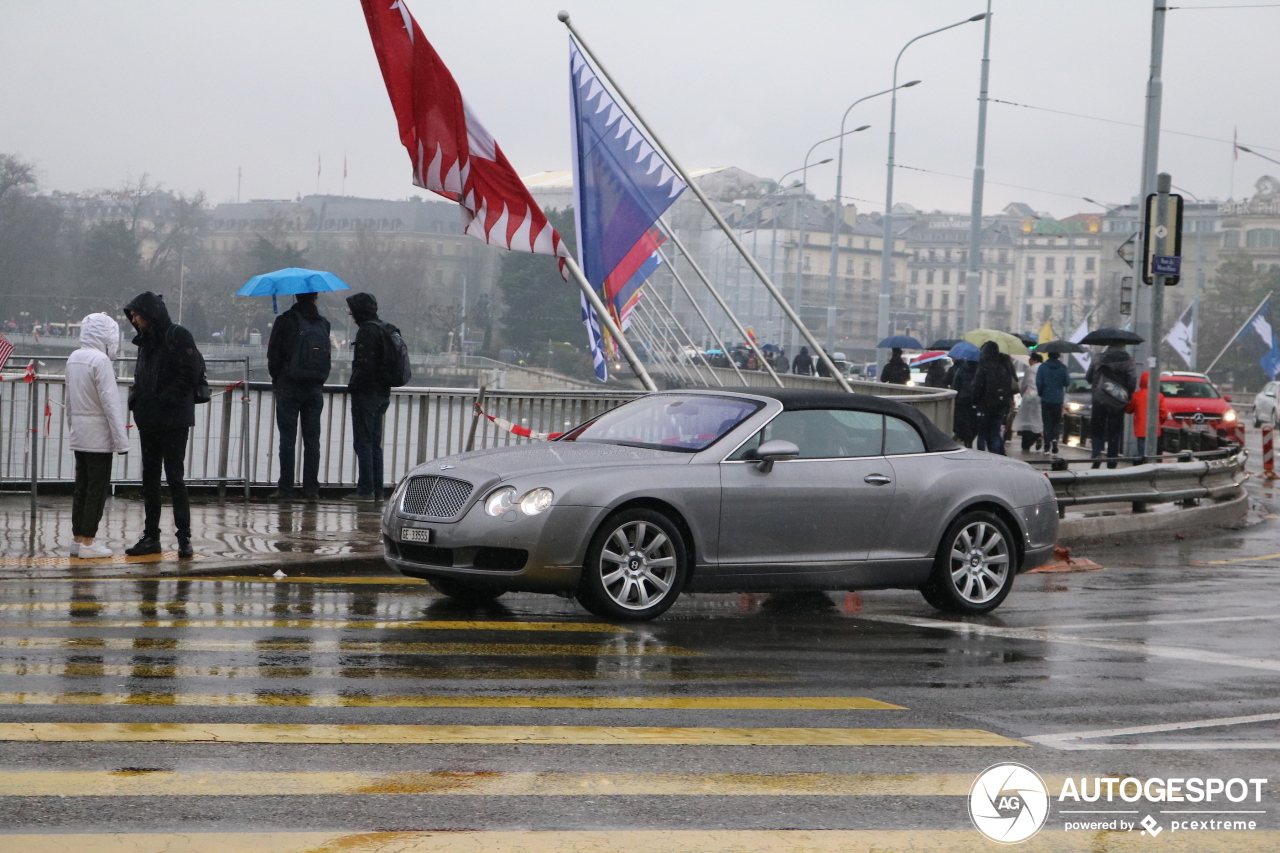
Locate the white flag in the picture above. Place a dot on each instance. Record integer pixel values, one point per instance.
(1076, 337)
(1181, 335)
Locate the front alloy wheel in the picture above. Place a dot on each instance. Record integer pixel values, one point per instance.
(974, 569)
(636, 566)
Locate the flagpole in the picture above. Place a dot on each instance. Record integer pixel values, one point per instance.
(724, 306)
(653, 313)
(719, 220)
(1243, 325)
(604, 317)
(653, 291)
(705, 320)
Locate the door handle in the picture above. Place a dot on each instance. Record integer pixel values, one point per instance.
(877, 479)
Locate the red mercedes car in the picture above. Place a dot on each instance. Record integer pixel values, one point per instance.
(1194, 403)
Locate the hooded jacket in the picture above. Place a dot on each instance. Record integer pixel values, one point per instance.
(164, 381)
(94, 411)
(284, 335)
(993, 382)
(1052, 380)
(370, 347)
(896, 371)
(1138, 408)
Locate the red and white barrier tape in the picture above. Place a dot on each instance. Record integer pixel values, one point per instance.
(1268, 457)
(516, 429)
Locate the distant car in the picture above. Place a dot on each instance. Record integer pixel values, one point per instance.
(1264, 406)
(784, 489)
(1195, 403)
(1078, 398)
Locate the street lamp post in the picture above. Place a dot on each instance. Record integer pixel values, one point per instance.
(773, 251)
(886, 251)
(796, 290)
(836, 219)
(973, 276)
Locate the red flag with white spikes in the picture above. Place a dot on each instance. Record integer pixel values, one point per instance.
(452, 153)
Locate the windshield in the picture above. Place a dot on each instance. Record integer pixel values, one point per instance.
(683, 423)
(1188, 388)
(1079, 385)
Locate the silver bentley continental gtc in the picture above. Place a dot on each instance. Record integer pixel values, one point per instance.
(726, 491)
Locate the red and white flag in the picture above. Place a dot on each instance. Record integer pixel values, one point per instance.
(451, 152)
(6, 350)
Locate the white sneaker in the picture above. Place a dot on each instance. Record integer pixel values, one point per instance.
(94, 551)
(75, 549)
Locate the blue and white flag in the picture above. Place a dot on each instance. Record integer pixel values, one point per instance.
(592, 323)
(1270, 361)
(1182, 336)
(621, 183)
(1260, 323)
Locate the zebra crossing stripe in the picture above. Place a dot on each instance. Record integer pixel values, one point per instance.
(437, 734)
(361, 700)
(633, 841)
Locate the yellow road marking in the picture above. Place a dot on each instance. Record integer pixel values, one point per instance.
(357, 700)
(575, 735)
(428, 669)
(1257, 559)
(638, 841)
(142, 783)
(334, 625)
(625, 646)
(117, 560)
(381, 581)
(229, 606)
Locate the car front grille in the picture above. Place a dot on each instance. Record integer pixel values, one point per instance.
(1197, 417)
(435, 497)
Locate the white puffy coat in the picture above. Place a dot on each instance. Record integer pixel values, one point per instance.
(94, 410)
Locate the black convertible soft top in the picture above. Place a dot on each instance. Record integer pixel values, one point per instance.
(797, 399)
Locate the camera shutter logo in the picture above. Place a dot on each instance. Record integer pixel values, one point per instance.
(1009, 803)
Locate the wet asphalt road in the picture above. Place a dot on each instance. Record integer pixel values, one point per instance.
(1164, 663)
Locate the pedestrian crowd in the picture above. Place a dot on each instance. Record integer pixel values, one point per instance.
(169, 382)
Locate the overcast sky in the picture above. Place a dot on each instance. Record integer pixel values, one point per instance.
(191, 91)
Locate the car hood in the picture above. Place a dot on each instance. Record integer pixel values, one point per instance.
(507, 463)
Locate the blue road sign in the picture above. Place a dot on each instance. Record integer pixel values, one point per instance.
(1166, 265)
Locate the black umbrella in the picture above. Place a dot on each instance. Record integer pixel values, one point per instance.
(1029, 340)
(1107, 337)
(944, 343)
(1059, 346)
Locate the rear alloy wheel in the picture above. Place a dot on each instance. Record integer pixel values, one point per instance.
(465, 592)
(974, 569)
(636, 566)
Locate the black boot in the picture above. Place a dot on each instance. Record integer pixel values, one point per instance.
(185, 551)
(146, 545)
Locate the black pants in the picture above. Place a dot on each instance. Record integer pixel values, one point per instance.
(367, 409)
(1051, 415)
(296, 404)
(1106, 429)
(167, 447)
(93, 482)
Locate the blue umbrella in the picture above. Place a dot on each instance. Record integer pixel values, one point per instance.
(900, 342)
(964, 351)
(771, 348)
(291, 281)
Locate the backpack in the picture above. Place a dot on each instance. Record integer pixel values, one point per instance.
(997, 389)
(203, 393)
(395, 369)
(310, 361)
(1109, 392)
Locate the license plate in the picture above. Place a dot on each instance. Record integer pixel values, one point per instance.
(416, 534)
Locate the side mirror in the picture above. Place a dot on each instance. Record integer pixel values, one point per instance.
(774, 451)
(1227, 397)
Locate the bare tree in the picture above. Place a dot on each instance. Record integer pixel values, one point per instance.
(15, 175)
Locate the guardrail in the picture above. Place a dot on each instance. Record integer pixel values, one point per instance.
(1192, 477)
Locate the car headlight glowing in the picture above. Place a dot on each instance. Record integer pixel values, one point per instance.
(501, 501)
(1229, 416)
(536, 501)
(1074, 407)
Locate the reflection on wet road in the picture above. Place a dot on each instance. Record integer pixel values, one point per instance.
(339, 712)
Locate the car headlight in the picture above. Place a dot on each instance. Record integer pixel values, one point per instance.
(399, 492)
(501, 501)
(1074, 407)
(1229, 416)
(536, 501)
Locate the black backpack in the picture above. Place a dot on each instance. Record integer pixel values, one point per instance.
(311, 352)
(203, 393)
(997, 389)
(396, 369)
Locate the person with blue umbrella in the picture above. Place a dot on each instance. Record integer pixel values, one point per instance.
(299, 359)
(896, 370)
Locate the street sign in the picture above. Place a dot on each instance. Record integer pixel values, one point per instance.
(1162, 240)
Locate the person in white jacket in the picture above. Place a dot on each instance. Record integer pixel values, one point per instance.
(96, 417)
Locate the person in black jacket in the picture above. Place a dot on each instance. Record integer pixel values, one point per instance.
(803, 364)
(896, 370)
(298, 358)
(965, 422)
(937, 375)
(370, 396)
(1115, 367)
(992, 392)
(162, 399)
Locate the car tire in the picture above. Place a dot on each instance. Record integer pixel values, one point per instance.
(636, 566)
(975, 565)
(464, 592)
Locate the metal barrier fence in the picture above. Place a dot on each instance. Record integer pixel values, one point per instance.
(1187, 478)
